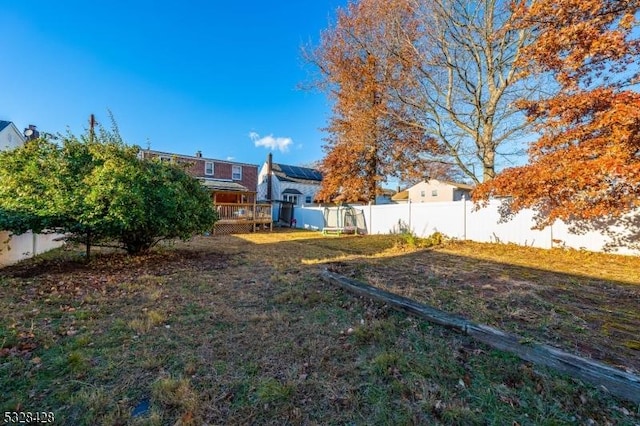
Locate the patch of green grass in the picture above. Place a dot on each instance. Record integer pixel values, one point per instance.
(386, 363)
(175, 393)
(220, 367)
(383, 406)
(377, 331)
(77, 362)
(273, 391)
(147, 321)
(240, 394)
(95, 401)
(251, 369)
(8, 337)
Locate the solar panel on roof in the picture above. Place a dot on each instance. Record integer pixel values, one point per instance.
(300, 172)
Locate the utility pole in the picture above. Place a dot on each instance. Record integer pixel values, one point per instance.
(92, 125)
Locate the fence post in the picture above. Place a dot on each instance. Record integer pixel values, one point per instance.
(464, 217)
(370, 224)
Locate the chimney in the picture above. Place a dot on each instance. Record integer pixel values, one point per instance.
(199, 154)
(31, 132)
(269, 169)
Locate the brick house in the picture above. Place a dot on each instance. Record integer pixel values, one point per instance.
(232, 186)
(228, 181)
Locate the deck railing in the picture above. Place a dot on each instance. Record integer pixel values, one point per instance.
(250, 213)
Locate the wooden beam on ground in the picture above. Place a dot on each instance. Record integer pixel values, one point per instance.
(617, 382)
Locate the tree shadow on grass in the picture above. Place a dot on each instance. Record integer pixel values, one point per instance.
(594, 316)
(157, 262)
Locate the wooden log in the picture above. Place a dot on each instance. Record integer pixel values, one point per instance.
(619, 383)
(399, 302)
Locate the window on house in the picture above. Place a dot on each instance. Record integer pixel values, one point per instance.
(434, 193)
(307, 199)
(165, 159)
(422, 193)
(208, 168)
(236, 173)
(290, 198)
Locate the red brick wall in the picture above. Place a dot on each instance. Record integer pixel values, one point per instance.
(221, 170)
(250, 177)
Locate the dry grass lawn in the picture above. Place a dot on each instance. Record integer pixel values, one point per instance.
(241, 330)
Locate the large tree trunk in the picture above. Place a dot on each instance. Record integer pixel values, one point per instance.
(467, 80)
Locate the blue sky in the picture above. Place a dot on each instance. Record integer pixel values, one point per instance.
(220, 77)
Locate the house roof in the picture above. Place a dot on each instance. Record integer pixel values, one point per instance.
(457, 185)
(286, 173)
(223, 185)
(194, 157)
(292, 191)
(401, 196)
(4, 124)
(446, 182)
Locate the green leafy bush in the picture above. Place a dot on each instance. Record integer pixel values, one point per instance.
(408, 239)
(95, 190)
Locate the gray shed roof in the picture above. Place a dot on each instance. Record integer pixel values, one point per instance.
(223, 185)
(292, 191)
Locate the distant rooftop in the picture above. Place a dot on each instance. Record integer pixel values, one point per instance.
(197, 156)
(456, 184)
(4, 124)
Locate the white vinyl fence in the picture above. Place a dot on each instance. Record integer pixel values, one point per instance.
(19, 247)
(459, 219)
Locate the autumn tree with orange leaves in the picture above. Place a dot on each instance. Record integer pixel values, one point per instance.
(586, 164)
(422, 89)
(371, 136)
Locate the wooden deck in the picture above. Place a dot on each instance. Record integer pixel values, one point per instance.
(239, 218)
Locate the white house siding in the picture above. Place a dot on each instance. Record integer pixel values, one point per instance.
(262, 183)
(278, 187)
(307, 190)
(10, 138)
(423, 192)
